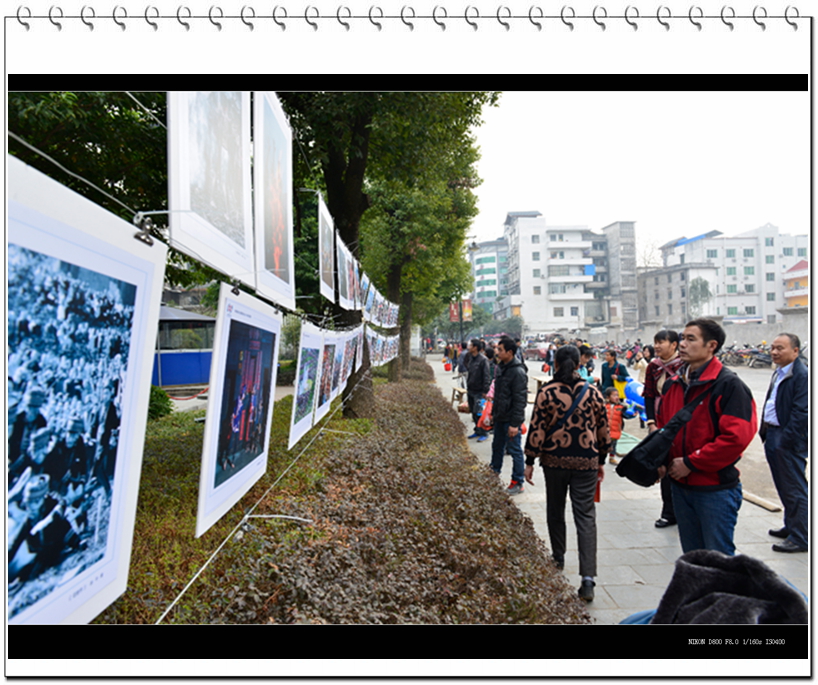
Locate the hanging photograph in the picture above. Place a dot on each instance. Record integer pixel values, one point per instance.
(370, 303)
(272, 176)
(326, 251)
(363, 291)
(350, 345)
(82, 318)
(306, 381)
(324, 399)
(337, 386)
(240, 404)
(344, 296)
(209, 188)
(359, 354)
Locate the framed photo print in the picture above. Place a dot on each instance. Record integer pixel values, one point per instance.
(272, 176)
(82, 318)
(326, 251)
(306, 381)
(240, 406)
(324, 399)
(209, 190)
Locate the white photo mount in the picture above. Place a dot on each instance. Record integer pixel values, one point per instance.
(326, 251)
(209, 187)
(83, 247)
(306, 381)
(272, 176)
(240, 405)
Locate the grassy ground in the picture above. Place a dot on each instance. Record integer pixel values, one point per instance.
(405, 526)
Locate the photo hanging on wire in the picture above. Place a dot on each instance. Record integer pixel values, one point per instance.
(326, 251)
(306, 381)
(272, 194)
(240, 405)
(324, 399)
(82, 319)
(209, 187)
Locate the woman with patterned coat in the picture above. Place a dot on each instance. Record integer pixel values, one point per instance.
(572, 457)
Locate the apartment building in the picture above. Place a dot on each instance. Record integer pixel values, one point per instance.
(489, 265)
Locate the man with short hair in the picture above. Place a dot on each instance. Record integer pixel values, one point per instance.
(705, 481)
(477, 385)
(508, 414)
(784, 428)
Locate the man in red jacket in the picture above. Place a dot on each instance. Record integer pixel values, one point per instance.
(705, 481)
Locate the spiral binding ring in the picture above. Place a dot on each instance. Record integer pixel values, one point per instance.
(562, 16)
(408, 16)
(666, 24)
(504, 23)
(51, 17)
(83, 19)
(627, 17)
(403, 19)
(690, 16)
(244, 21)
(531, 18)
(179, 16)
(343, 23)
(732, 16)
(760, 23)
(152, 23)
(121, 24)
(380, 16)
(275, 17)
(601, 24)
(434, 16)
(20, 19)
(473, 24)
(210, 16)
(787, 16)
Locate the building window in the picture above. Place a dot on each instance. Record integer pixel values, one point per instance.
(670, 309)
(788, 252)
(657, 310)
(749, 288)
(749, 270)
(730, 253)
(732, 311)
(682, 275)
(535, 239)
(712, 254)
(770, 259)
(484, 260)
(802, 251)
(558, 312)
(683, 292)
(656, 295)
(669, 278)
(684, 309)
(613, 311)
(749, 252)
(681, 258)
(669, 294)
(536, 273)
(749, 310)
(557, 255)
(770, 276)
(732, 289)
(731, 271)
(768, 242)
(770, 297)
(656, 281)
(535, 256)
(771, 318)
(574, 311)
(559, 270)
(537, 290)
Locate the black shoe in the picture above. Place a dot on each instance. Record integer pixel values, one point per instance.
(782, 533)
(559, 562)
(664, 523)
(586, 590)
(788, 546)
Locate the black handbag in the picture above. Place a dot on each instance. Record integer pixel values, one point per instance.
(641, 464)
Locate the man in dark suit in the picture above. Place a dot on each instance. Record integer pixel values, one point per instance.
(784, 431)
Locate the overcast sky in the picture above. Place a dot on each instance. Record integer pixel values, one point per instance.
(678, 164)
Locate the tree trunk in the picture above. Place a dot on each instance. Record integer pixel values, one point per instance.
(393, 282)
(406, 330)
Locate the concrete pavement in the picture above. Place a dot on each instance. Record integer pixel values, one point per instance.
(635, 559)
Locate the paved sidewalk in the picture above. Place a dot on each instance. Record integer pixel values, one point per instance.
(635, 560)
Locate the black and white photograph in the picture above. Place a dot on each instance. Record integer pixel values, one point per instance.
(78, 329)
(240, 405)
(272, 175)
(209, 183)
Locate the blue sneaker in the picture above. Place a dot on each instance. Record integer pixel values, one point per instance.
(474, 435)
(482, 438)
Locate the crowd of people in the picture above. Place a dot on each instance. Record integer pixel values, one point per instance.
(578, 417)
(69, 331)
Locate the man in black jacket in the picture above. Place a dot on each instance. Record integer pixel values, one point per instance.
(784, 429)
(508, 414)
(477, 385)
